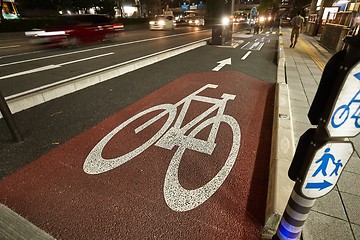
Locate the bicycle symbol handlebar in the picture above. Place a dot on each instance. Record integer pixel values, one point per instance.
(177, 197)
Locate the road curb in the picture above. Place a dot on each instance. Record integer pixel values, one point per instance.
(11, 222)
(282, 150)
(31, 98)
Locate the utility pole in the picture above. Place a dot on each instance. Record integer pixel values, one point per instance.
(232, 8)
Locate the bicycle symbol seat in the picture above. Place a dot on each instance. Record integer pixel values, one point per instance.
(177, 197)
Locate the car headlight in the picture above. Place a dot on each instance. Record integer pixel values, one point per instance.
(152, 22)
(225, 21)
(261, 19)
(190, 21)
(197, 21)
(161, 22)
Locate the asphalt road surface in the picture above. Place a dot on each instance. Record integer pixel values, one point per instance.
(191, 174)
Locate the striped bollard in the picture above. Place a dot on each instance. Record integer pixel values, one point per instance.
(293, 219)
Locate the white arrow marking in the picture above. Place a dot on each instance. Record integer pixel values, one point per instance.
(222, 64)
(52, 66)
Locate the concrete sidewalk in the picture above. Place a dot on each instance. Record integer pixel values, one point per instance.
(336, 215)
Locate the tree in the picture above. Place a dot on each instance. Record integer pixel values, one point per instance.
(106, 7)
(152, 7)
(218, 7)
(266, 5)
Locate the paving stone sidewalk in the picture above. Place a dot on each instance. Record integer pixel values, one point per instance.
(336, 215)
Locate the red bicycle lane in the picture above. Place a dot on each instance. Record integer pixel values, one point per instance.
(127, 202)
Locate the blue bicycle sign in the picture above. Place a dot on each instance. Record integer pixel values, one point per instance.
(342, 113)
(344, 120)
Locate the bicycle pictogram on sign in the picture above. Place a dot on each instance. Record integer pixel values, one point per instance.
(171, 134)
(342, 113)
(344, 120)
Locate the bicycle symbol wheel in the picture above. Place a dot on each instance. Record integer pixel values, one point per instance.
(340, 116)
(96, 164)
(180, 199)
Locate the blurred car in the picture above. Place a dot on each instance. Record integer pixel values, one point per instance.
(73, 30)
(162, 22)
(196, 21)
(242, 17)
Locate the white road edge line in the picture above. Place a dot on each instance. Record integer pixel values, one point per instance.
(246, 55)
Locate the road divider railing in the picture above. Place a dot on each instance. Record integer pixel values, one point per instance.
(282, 150)
(33, 97)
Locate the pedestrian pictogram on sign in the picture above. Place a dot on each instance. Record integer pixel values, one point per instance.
(345, 117)
(325, 168)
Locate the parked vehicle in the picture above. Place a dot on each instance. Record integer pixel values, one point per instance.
(74, 30)
(162, 22)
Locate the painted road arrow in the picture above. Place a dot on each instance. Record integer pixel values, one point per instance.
(222, 64)
(319, 185)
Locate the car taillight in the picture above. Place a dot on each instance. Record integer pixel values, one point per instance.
(118, 26)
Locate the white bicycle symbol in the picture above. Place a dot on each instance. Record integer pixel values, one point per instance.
(177, 197)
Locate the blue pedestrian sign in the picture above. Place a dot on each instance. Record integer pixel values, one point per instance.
(325, 168)
(345, 117)
(184, 7)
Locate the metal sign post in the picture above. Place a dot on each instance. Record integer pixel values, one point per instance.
(322, 153)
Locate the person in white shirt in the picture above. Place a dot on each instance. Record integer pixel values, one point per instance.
(297, 24)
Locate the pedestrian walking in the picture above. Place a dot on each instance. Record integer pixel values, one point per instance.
(297, 24)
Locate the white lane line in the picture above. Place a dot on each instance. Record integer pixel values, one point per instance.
(21, 54)
(254, 45)
(35, 96)
(98, 48)
(30, 71)
(88, 58)
(12, 46)
(245, 45)
(261, 45)
(246, 55)
(52, 66)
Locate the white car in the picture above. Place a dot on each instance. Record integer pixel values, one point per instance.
(196, 21)
(162, 22)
